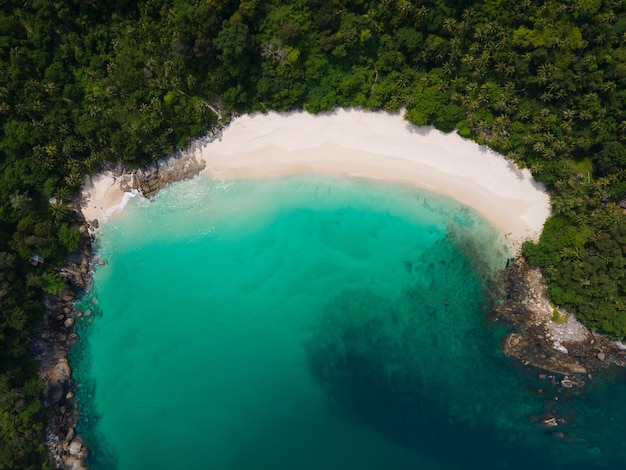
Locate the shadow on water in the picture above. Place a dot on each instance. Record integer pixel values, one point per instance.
(374, 360)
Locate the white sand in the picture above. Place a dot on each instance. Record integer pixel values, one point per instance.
(102, 197)
(384, 147)
(362, 144)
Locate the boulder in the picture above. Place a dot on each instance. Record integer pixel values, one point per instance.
(549, 422)
(60, 371)
(53, 394)
(75, 446)
(73, 463)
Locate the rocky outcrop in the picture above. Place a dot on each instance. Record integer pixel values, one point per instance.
(180, 166)
(51, 343)
(152, 179)
(548, 337)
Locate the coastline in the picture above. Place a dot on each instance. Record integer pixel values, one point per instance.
(350, 143)
(104, 194)
(101, 196)
(547, 337)
(383, 147)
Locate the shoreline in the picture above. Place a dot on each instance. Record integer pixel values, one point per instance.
(227, 155)
(383, 147)
(351, 143)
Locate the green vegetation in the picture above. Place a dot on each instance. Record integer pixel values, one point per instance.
(84, 83)
(556, 315)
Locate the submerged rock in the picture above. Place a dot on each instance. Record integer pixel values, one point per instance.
(550, 422)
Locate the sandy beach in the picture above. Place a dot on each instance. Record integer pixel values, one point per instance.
(102, 196)
(384, 147)
(362, 144)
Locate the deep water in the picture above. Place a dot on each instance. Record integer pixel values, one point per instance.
(317, 323)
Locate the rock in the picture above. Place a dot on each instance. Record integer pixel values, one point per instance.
(158, 175)
(69, 395)
(67, 296)
(550, 422)
(601, 356)
(68, 322)
(73, 463)
(70, 434)
(60, 372)
(53, 394)
(75, 446)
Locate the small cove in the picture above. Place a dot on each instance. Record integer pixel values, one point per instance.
(310, 322)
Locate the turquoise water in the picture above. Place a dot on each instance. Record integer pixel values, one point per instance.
(309, 323)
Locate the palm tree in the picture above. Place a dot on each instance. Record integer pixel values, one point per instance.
(402, 82)
(59, 210)
(569, 252)
(539, 147)
(449, 23)
(562, 8)
(421, 13)
(404, 7)
(467, 59)
(455, 47)
(546, 96)
(62, 193)
(462, 27)
(585, 115)
(569, 114)
(50, 87)
(536, 167)
(608, 86)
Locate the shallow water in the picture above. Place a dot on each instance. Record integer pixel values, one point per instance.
(316, 323)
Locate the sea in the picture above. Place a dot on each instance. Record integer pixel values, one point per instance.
(317, 322)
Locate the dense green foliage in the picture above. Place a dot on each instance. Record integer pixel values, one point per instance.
(83, 83)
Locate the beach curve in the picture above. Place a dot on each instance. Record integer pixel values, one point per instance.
(382, 146)
(357, 143)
